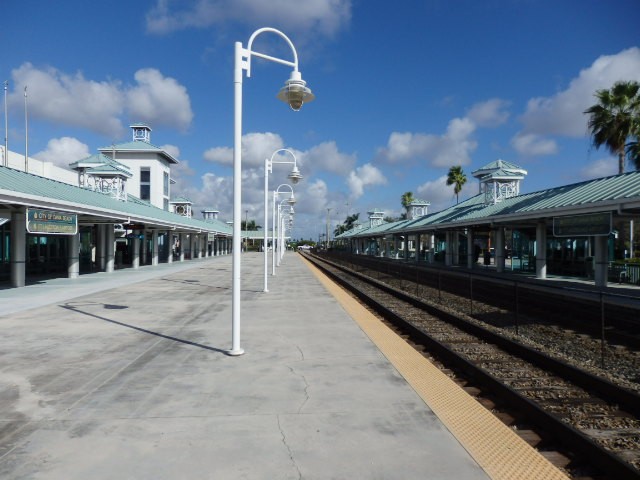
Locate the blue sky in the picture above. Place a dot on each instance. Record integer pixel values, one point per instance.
(405, 90)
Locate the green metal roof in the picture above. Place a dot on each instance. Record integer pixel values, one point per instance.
(498, 165)
(618, 193)
(138, 146)
(101, 163)
(20, 188)
(181, 200)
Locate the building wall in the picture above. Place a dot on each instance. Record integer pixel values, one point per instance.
(40, 168)
(157, 166)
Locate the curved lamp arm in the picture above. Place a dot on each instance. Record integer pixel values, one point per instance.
(248, 52)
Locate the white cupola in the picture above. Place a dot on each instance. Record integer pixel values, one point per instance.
(499, 180)
(141, 132)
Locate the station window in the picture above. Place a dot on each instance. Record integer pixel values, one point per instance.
(166, 184)
(145, 183)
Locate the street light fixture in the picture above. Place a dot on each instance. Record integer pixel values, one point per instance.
(283, 224)
(291, 200)
(295, 177)
(295, 93)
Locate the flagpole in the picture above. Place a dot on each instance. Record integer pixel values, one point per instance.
(26, 133)
(6, 127)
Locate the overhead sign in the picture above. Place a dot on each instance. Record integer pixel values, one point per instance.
(592, 224)
(50, 222)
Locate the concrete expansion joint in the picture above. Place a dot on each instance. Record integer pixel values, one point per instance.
(284, 442)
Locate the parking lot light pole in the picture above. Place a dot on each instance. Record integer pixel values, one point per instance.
(295, 93)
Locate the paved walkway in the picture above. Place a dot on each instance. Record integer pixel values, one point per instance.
(124, 376)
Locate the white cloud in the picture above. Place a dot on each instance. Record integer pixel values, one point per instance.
(326, 157)
(172, 150)
(599, 168)
(63, 151)
(533, 145)
(214, 191)
(562, 113)
(440, 195)
(256, 147)
(99, 106)
(491, 113)
(159, 100)
(311, 17)
(70, 99)
(311, 194)
(454, 147)
(314, 197)
(364, 176)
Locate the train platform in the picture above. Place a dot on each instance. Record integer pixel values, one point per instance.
(125, 375)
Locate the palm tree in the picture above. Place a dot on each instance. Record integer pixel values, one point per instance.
(633, 151)
(406, 199)
(457, 178)
(615, 118)
(348, 224)
(250, 225)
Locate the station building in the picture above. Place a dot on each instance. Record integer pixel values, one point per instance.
(109, 210)
(582, 230)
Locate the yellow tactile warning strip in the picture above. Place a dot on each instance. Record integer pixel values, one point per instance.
(497, 449)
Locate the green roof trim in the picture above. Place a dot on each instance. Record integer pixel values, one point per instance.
(138, 146)
(613, 193)
(20, 188)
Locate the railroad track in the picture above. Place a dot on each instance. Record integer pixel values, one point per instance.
(594, 420)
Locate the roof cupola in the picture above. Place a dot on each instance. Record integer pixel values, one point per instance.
(141, 132)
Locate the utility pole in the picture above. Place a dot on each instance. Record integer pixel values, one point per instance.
(328, 210)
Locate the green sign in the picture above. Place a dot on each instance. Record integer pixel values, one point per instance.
(49, 222)
(592, 224)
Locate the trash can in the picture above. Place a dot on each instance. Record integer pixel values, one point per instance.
(487, 257)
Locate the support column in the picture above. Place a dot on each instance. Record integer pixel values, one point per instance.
(183, 238)
(448, 248)
(135, 261)
(155, 254)
(471, 257)
(73, 256)
(101, 247)
(455, 247)
(500, 250)
(110, 247)
(145, 246)
(541, 250)
(169, 238)
(601, 266)
(18, 237)
(432, 248)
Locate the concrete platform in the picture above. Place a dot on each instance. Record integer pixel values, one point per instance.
(124, 376)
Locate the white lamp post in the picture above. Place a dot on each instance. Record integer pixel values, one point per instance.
(291, 200)
(283, 222)
(295, 93)
(295, 177)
